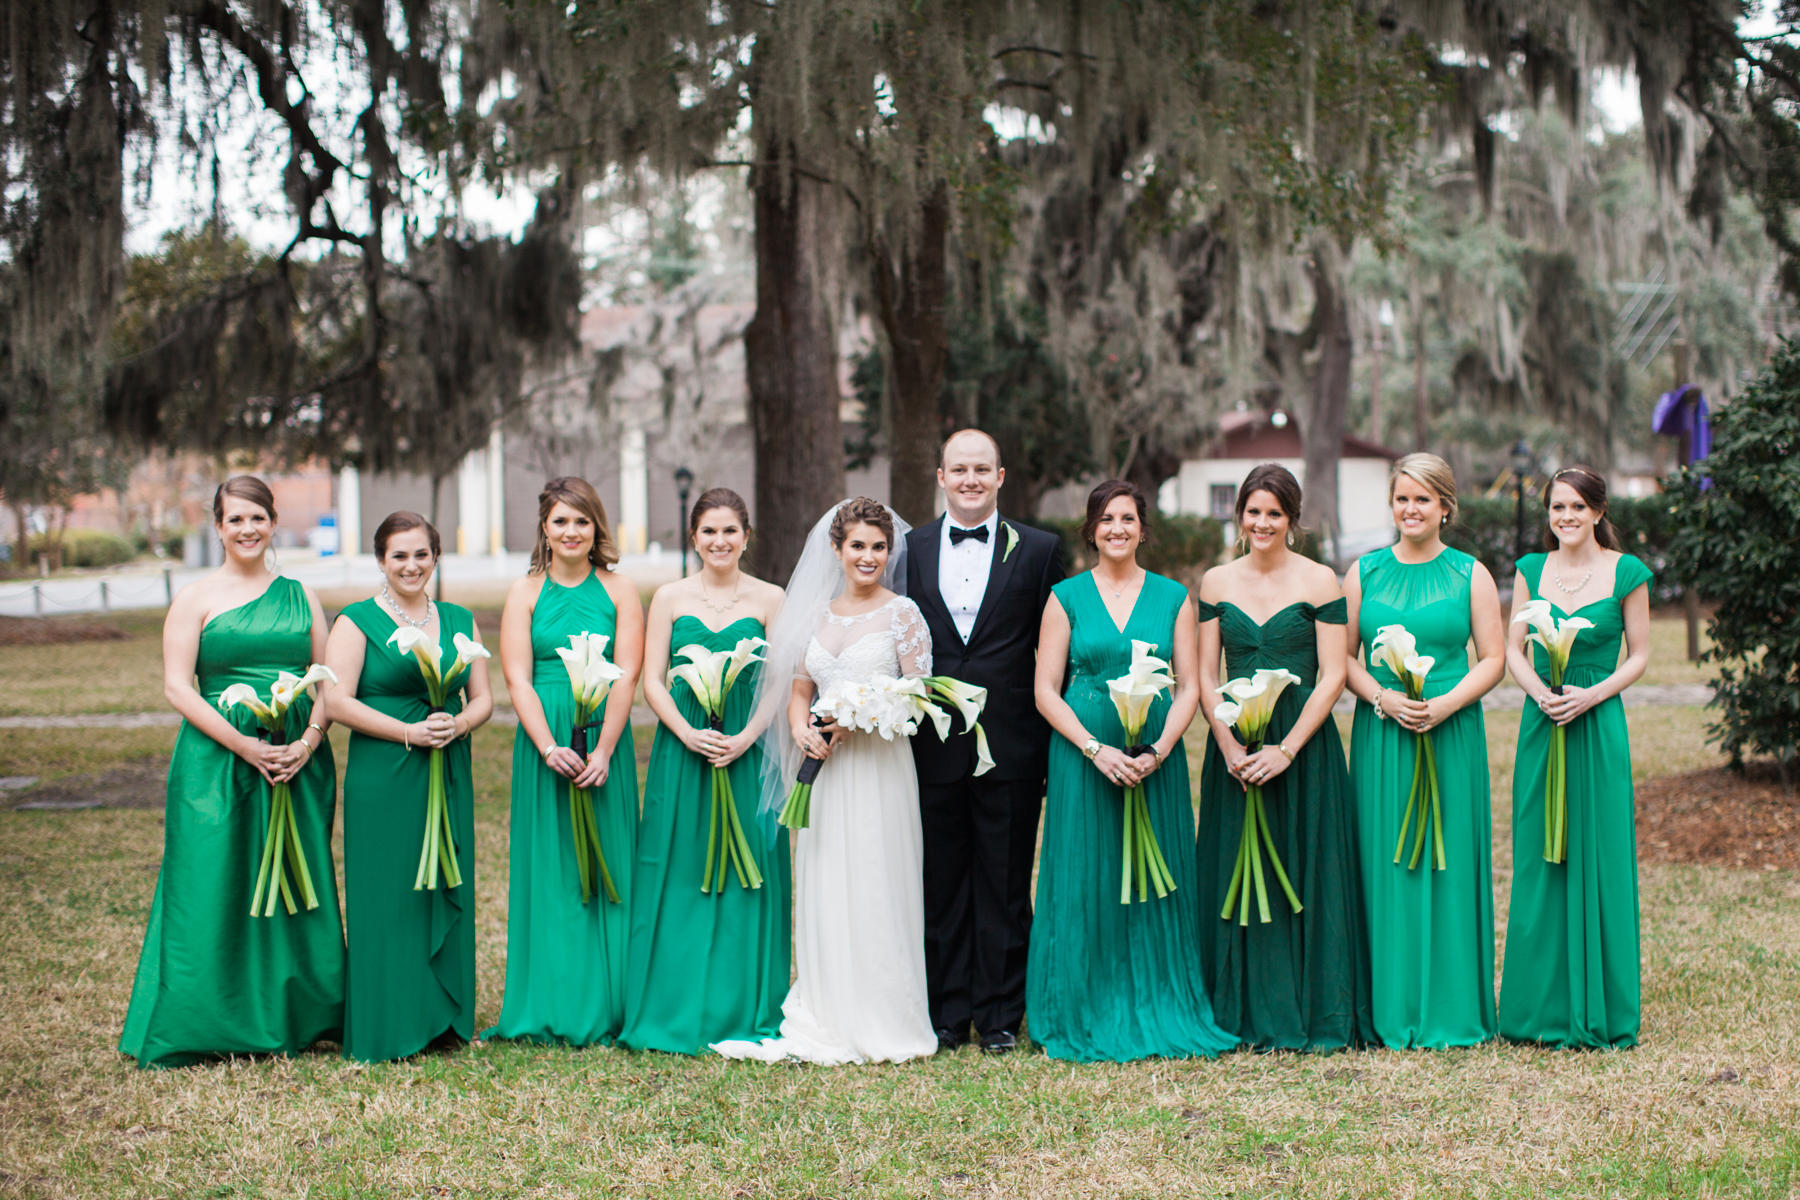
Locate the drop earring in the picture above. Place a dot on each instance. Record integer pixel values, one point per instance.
(1290, 537)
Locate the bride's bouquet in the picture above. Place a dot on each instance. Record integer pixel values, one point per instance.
(591, 676)
(282, 843)
(439, 847)
(1557, 638)
(711, 674)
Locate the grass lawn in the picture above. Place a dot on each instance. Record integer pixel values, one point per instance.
(1707, 1106)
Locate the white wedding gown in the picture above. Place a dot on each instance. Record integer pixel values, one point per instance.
(859, 900)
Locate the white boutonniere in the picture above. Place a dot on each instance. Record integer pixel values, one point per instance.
(1012, 540)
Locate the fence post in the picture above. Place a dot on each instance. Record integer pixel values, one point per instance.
(168, 587)
(37, 598)
(105, 601)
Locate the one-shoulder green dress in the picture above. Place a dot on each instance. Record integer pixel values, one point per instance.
(412, 953)
(705, 967)
(1431, 931)
(1300, 982)
(1107, 981)
(1572, 967)
(565, 960)
(212, 979)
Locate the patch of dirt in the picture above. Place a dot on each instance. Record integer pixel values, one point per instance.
(51, 631)
(139, 784)
(1718, 818)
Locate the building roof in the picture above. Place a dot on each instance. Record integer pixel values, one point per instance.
(1257, 435)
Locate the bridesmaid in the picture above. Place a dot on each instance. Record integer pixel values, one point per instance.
(213, 979)
(565, 959)
(412, 953)
(706, 967)
(1571, 976)
(1301, 981)
(1107, 981)
(1432, 931)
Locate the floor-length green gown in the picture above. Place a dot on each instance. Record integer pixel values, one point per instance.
(412, 953)
(705, 967)
(213, 979)
(1431, 932)
(1572, 968)
(1300, 982)
(565, 960)
(1107, 981)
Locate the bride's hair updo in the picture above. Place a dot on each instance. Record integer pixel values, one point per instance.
(861, 511)
(719, 497)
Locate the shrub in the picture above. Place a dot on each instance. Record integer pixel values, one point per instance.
(1181, 545)
(1486, 526)
(1736, 540)
(86, 548)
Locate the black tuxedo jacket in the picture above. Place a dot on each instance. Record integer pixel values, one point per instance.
(1001, 654)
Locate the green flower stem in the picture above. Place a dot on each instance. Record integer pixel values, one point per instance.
(1412, 799)
(1437, 806)
(1262, 819)
(796, 814)
(1256, 867)
(1237, 870)
(1556, 796)
(588, 852)
(1127, 818)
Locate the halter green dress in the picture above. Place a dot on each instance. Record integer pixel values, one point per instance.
(1431, 932)
(412, 953)
(565, 960)
(705, 967)
(1571, 975)
(1301, 982)
(1107, 981)
(213, 979)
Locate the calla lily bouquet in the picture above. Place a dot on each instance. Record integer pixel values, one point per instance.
(1140, 857)
(1557, 638)
(1249, 707)
(711, 674)
(1398, 651)
(439, 848)
(281, 845)
(591, 676)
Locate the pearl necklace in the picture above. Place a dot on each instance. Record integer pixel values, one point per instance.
(1556, 574)
(430, 609)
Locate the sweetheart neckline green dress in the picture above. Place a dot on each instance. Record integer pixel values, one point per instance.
(212, 979)
(1572, 974)
(1105, 981)
(412, 953)
(1431, 932)
(705, 967)
(1300, 982)
(565, 959)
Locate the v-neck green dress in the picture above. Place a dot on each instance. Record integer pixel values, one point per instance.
(565, 959)
(1572, 968)
(705, 966)
(1105, 981)
(212, 979)
(1300, 982)
(1431, 931)
(412, 953)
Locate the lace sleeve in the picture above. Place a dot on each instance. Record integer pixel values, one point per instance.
(912, 640)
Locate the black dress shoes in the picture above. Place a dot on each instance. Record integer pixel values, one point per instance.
(1001, 1041)
(950, 1039)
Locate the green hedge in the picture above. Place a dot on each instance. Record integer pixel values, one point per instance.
(86, 548)
(1485, 527)
(1180, 546)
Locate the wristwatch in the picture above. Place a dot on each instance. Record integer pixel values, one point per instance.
(1092, 748)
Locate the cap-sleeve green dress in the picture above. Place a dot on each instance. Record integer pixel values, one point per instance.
(412, 953)
(705, 966)
(1105, 981)
(212, 979)
(565, 960)
(1431, 932)
(1301, 982)
(1572, 969)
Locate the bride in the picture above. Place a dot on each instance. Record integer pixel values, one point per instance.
(859, 908)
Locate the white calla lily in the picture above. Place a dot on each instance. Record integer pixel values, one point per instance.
(243, 693)
(1419, 665)
(1228, 711)
(743, 654)
(468, 650)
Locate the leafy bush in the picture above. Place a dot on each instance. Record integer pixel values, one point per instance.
(1181, 546)
(86, 548)
(1737, 541)
(1486, 527)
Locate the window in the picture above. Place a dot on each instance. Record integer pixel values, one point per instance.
(1224, 500)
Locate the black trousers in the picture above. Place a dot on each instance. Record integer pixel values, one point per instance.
(980, 840)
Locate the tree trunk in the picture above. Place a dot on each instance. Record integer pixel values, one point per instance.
(1421, 390)
(791, 359)
(911, 287)
(22, 553)
(1323, 432)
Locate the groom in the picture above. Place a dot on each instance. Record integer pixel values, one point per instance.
(982, 584)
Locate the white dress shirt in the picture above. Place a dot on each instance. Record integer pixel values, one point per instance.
(963, 572)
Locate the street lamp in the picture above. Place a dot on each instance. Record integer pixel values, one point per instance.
(684, 483)
(1521, 463)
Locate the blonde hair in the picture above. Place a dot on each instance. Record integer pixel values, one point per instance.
(1431, 471)
(579, 495)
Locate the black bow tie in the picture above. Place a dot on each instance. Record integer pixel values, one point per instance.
(958, 536)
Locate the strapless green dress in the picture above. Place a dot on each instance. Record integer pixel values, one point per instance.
(412, 954)
(565, 959)
(1301, 982)
(212, 979)
(705, 967)
(1572, 967)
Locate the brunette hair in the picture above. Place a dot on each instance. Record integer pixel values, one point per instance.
(1279, 482)
(243, 487)
(1105, 494)
(400, 522)
(579, 495)
(719, 497)
(861, 511)
(1430, 471)
(1591, 487)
